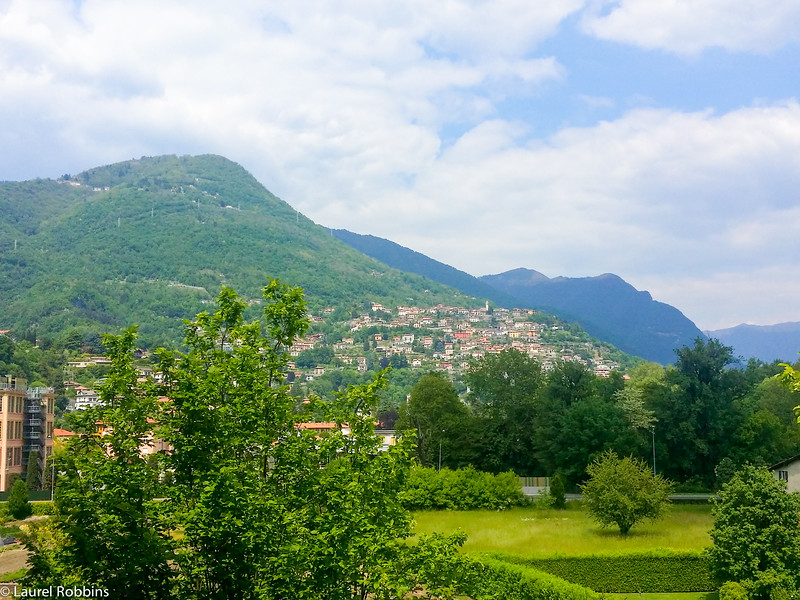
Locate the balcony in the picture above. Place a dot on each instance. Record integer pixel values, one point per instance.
(33, 409)
(33, 423)
(32, 435)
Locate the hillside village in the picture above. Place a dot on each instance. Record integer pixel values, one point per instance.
(439, 338)
(447, 338)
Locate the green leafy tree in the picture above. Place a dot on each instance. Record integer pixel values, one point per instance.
(504, 396)
(558, 491)
(623, 491)
(108, 530)
(18, 505)
(254, 506)
(756, 535)
(32, 474)
(440, 421)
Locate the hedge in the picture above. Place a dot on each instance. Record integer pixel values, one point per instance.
(463, 489)
(489, 579)
(638, 572)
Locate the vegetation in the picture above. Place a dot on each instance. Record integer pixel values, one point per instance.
(171, 231)
(18, 505)
(756, 534)
(623, 491)
(650, 571)
(464, 489)
(544, 532)
(255, 506)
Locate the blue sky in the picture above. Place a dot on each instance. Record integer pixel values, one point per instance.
(655, 139)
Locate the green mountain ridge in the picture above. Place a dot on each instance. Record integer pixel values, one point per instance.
(151, 241)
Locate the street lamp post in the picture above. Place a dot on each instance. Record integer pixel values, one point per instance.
(440, 450)
(653, 432)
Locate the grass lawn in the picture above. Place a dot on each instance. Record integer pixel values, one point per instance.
(530, 531)
(685, 596)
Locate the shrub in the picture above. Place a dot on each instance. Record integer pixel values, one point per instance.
(756, 534)
(731, 590)
(627, 572)
(18, 504)
(463, 489)
(558, 491)
(43, 508)
(491, 578)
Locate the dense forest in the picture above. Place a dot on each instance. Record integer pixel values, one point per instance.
(151, 241)
(698, 420)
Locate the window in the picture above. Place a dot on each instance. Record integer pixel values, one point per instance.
(783, 475)
(10, 431)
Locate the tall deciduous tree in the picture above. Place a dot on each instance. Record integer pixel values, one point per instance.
(439, 419)
(257, 507)
(504, 391)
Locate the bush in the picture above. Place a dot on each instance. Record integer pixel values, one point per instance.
(558, 491)
(43, 508)
(630, 572)
(463, 489)
(18, 504)
(756, 534)
(491, 578)
(732, 590)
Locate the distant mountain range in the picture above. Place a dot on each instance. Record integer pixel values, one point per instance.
(765, 342)
(607, 307)
(151, 241)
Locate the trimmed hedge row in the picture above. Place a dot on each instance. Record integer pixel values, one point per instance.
(645, 572)
(490, 579)
(463, 489)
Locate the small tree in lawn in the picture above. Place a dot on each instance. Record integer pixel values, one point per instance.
(623, 491)
(18, 504)
(756, 534)
(558, 491)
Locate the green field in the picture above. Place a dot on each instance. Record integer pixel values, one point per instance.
(531, 531)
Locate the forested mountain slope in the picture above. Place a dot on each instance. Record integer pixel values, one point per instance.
(151, 241)
(608, 308)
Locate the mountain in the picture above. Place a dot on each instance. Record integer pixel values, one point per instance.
(151, 241)
(405, 259)
(608, 308)
(764, 342)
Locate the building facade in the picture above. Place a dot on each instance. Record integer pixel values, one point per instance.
(26, 427)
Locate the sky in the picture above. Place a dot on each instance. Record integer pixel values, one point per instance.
(655, 139)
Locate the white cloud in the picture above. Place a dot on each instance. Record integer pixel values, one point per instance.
(690, 26)
(762, 296)
(340, 109)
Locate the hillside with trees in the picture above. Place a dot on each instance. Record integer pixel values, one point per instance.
(152, 241)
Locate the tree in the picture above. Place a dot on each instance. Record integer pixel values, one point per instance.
(439, 419)
(18, 505)
(265, 509)
(623, 491)
(32, 474)
(756, 535)
(504, 396)
(558, 491)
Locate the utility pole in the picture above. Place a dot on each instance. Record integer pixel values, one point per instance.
(653, 431)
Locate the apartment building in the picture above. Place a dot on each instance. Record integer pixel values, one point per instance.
(26, 425)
